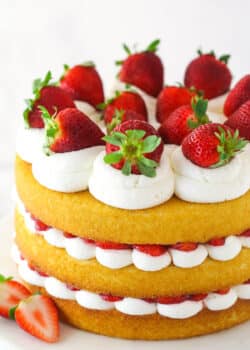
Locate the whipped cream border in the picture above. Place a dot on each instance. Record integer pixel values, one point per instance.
(129, 305)
(79, 249)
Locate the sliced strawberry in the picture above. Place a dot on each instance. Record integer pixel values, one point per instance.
(38, 316)
(238, 95)
(209, 74)
(111, 298)
(53, 98)
(172, 300)
(171, 98)
(185, 247)
(183, 120)
(198, 297)
(70, 130)
(82, 82)
(245, 233)
(134, 147)
(143, 69)
(217, 242)
(212, 145)
(11, 293)
(39, 225)
(68, 235)
(223, 291)
(240, 120)
(112, 245)
(151, 249)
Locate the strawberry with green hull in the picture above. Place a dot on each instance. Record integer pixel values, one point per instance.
(11, 293)
(143, 69)
(237, 96)
(209, 74)
(171, 98)
(70, 130)
(46, 94)
(83, 83)
(127, 101)
(38, 316)
(240, 120)
(212, 145)
(134, 147)
(183, 120)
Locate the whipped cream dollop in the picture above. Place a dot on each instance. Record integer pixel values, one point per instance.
(150, 101)
(29, 143)
(130, 305)
(91, 112)
(111, 187)
(216, 117)
(216, 104)
(84, 249)
(65, 172)
(204, 185)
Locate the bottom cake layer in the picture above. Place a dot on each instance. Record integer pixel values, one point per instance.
(152, 327)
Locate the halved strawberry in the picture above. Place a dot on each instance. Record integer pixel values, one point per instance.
(217, 242)
(240, 120)
(151, 249)
(171, 98)
(238, 95)
(112, 245)
(245, 233)
(212, 145)
(172, 300)
(46, 94)
(185, 247)
(134, 147)
(198, 297)
(38, 316)
(83, 82)
(11, 293)
(70, 130)
(111, 298)
(143, 69)
(209, 74)
(39, 225)
(183, 120)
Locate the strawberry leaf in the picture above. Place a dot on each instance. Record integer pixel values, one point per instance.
(153, 46)
(5, 279)
(126, 169)
(127, 49)
(148, 162)
(115, 138)
(51, 128)
(12, 312)
(116, 120)
(113, 157)
(88, 64)
(135, 134)
(224, 58)
(199, 107)
(150, 143)
(145, 170)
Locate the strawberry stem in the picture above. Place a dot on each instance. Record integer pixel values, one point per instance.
(116, 120)
(199, 106)
(51, 129)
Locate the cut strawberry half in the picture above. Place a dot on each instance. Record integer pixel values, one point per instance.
(11, 293)
(217, 242)
(38, 316)
(172, 300)
(223, 291)
(185, 247)
(198, 297)
(112, 245)
(39, 225)
(245, 233)
(151, 249)
(111, 298)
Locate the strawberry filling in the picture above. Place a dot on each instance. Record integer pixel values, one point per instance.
(68, 235)
(151, 249)
(39, 225)
(223, 291)
(217, 242)
(112, 245)
(185, 247)
(172, 300)
(111, 298)
(71, 287)
(89, 241)
(245, 233)
(198, 297)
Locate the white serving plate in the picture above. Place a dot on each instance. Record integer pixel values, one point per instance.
(13, 338)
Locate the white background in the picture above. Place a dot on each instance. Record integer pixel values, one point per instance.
(39, 35)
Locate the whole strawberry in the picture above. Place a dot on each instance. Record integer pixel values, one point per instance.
(183, 120)
(83, 83)
(209, 74)
(52, 97)
(143, 69)
(70, 130)
(170, 98)
(212, 145)
(238, 95)
(240, 120)
(125, 100)
(134, 147)
(121, 115)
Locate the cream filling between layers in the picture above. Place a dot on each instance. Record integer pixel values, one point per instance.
(129, 305)
(81, 249)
